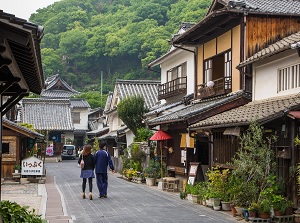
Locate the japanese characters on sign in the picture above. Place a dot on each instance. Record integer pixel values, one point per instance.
(32, 166)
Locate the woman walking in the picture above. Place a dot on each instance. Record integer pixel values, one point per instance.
(87, 171)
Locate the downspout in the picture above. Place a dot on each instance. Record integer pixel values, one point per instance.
(242, 52)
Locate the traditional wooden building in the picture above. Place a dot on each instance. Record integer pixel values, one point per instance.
(231, 32)
(17, 143)
(275, 105)
(21, 73)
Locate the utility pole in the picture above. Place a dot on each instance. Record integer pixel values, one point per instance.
(101, 85)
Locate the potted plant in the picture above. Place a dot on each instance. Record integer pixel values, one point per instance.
(279, 204)
(151, 172)
(253, 210)
(17, 168)
(265, 208)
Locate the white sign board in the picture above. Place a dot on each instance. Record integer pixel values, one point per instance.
(32, 166)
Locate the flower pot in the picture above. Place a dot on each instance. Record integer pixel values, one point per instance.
(252, 214)
(225, 206)
(217, 208)
(264, 215)
(194, 198)
(204, 202)
(297, 218)
(277, 213)
(150, 181)
(233, 211)
(239, 211)
(16, 171)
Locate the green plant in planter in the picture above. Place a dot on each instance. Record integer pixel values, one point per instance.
(152, 170)
(280, 203)
(265, 206)
(17, 167)
(254, 207)
(201, 189)
(217, 182)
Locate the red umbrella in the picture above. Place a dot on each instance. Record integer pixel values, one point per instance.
(160, 136)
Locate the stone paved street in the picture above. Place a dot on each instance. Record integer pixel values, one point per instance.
(127, 201)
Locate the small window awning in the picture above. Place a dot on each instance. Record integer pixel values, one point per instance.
(232, 131)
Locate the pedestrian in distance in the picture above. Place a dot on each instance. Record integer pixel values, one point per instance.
(87, 169)
(102, 161)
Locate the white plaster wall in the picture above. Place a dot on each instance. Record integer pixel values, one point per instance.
(129, 137)
(177, 59)
(265, 75)
(83, 118)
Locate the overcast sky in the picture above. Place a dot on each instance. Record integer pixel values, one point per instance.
(24, 8)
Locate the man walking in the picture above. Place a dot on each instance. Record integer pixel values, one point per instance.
(102, 161)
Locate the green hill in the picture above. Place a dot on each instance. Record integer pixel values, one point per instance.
(115, 37)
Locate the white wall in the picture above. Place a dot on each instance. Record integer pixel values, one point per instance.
(177, 59)
(84, 116)
(265, 75)
(129, 138)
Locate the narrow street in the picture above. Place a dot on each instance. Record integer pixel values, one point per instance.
(127, 201)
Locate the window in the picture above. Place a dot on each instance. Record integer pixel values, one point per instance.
(218, 67)
(176, 72)
(5, 148)
(76, 117)
(288, 78)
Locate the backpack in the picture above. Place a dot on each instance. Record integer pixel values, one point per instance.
(82, 162)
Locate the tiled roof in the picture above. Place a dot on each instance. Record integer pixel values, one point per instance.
(20, 55)
(145, 88)
(163, 107)
(94, 110)
(56, 94)
(266, 6)
(79, 103)
(25, 131)
(263, 111)
(98, 131)
(56, 87)
(234, 10)
(110, 135)
(272, 49)
(47, 114)
(197, 108)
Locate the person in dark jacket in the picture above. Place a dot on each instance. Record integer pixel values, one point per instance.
(102, 161)
(87, 172)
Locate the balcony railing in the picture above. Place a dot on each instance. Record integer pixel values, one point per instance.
(172, 88)
(221, 86)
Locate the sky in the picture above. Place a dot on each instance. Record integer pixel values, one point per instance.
(24, 8)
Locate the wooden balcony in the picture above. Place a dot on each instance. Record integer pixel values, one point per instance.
(172, 88)
(221, 86)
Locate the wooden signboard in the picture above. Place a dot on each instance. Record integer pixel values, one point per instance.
(192, 177)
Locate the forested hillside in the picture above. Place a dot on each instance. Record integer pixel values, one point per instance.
(117, 37)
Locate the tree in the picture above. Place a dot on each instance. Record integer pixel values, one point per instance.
(130, 111)
(254, 165)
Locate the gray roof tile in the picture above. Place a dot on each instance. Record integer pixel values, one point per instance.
(79, 103)
(43, 113)
(145, 88)
(262, 111)
(197, 108)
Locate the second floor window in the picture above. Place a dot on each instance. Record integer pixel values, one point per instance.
(76, 117)
(176, 72)
(288, 78)
(218, 67)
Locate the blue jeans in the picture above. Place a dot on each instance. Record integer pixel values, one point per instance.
(102, 183)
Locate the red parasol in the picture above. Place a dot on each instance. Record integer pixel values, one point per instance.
(160, 136)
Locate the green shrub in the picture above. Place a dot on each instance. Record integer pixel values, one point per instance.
(12, 212)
